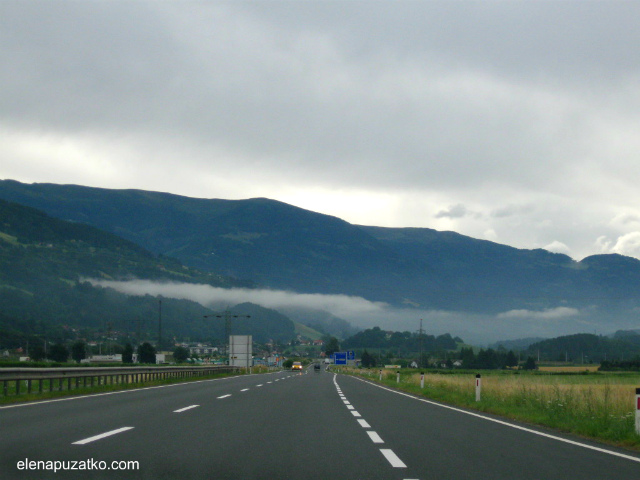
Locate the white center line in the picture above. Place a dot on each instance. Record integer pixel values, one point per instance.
(225, 396)
(364, 423)
(269, 382)
(244, 389)
(102, 435)
(393, 458)
(259, 385)
(355, 414)
(375, 438)
(185, 408)
(351, 407)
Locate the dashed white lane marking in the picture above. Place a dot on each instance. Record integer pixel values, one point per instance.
(244, 389)
(225, 396)
(102, 435)
(363, 423)
(259, 385)
(346, 402)
(351, 407)
(269, 382)
(355, 413)
(185, 408)
(375, 438)
(392, 458)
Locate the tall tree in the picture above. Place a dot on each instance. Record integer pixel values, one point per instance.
(367, 360)
(530, 364)
(146, 353)
(127, 353)
(79, 351)
(37, 353)
(332, 346)
(180, 354)
(58, 353)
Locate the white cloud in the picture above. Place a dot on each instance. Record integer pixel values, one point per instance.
(627, 244)
(340, 305)
(547, 314)
(558, 247)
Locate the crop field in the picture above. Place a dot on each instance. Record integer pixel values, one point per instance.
(595, 405)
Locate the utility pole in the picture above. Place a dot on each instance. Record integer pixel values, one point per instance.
(159, 325)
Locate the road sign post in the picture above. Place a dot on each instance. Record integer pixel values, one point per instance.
(638, 411)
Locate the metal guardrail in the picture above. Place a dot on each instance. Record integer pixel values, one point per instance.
(45, 379)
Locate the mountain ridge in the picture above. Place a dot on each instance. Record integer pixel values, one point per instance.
(281, 246)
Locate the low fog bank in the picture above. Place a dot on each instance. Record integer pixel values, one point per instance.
(478, 329)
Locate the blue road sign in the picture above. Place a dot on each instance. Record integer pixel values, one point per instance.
(351, 355)
(340, 358)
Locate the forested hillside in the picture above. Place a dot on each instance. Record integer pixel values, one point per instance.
(43, 264)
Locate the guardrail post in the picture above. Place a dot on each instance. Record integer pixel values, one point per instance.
(478, 387)
(4, 388)
(17, 387)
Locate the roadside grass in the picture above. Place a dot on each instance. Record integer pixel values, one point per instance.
(88, 390)
(599, 406)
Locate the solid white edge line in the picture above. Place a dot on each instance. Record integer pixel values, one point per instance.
(507, 424)
(102, 435)
(375, 438)
(392, 458)
(185, 408)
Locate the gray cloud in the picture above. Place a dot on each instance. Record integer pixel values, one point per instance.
(381, 113)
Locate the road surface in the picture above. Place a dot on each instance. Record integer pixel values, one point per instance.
(298, 426)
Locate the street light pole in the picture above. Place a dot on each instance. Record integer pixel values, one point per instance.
(227, 325)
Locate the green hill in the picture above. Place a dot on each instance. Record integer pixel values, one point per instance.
(43, 263)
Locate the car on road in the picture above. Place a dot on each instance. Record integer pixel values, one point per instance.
(316, 366)
(296, 366)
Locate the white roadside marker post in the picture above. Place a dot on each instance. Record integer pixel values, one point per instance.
(421, 379)
(398, 377)
(380, 374)
(478, 387)
(638, 411)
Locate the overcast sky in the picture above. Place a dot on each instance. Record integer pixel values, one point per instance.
(516, 122)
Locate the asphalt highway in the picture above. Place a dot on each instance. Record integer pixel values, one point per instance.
(286, 425)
